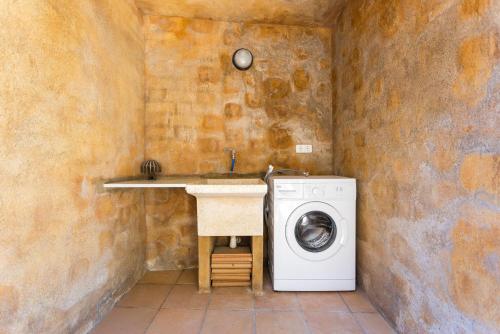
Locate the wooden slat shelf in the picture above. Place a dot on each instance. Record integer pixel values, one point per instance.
(223, 266)
(234, 257)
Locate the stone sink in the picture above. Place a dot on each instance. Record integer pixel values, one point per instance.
(229, 206)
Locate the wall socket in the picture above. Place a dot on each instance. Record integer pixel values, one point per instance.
(303, 148)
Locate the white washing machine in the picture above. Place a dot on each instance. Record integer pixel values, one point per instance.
(312, 233)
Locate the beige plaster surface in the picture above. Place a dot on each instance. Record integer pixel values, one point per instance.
(416, 118)
(71, 115)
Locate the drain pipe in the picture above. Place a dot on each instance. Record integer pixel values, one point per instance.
(233, 241)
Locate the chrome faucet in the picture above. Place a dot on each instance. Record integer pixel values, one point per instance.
(233, 157)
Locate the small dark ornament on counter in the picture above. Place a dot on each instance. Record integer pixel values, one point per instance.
(150, 169)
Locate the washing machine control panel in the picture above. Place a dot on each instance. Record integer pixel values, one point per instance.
(315, 190)
(287, 190)
(327, 191)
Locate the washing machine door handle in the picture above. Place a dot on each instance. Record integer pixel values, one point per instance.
(343, 229)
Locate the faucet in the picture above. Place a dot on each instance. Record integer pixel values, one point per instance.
(233, 157)
(233, 240)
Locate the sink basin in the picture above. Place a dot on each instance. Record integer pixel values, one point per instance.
(229, 206)
(234, 181)
(232, 176)
(236, 187)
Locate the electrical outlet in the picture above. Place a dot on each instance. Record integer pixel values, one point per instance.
(304, 149)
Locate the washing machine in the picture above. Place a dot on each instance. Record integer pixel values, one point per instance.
(311, 222)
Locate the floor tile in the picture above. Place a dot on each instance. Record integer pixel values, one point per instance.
(188, 276)
(231, 309)
(332, 322)
(219, 322)
(177, 321)
(186, 297)
(373, 323)
(146, 295)
(277, 322)
(321, 301)
(277, 301)
(357, 301)
(160, 277)
(126, 321)
(231, 302)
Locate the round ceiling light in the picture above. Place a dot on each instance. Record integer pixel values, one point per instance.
(242, 59)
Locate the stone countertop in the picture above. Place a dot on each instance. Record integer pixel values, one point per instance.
(160, 182)
(180, 181)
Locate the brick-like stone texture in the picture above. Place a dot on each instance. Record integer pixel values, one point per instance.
(415, 104)
(197, 103)
(71, 116)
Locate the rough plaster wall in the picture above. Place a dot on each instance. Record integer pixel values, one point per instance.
(197, 103)
(71, 115)
(291, 12)
(416, 106)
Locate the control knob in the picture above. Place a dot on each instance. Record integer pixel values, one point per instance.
(317, 191)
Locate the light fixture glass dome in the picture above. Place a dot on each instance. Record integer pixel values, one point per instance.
(242, 59)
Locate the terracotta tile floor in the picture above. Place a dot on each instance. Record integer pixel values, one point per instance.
(168, 302)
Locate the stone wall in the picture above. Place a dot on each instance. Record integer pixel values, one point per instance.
(289, 12)
(416, 95)
(71, 115)
(197, 103)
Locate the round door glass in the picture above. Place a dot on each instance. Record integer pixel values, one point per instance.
(315, 231)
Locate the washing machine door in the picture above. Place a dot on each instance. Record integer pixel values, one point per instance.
(316, 231)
